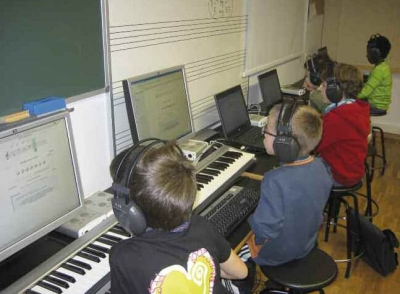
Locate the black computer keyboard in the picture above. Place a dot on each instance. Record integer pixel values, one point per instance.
(252, 135)
(229, 210)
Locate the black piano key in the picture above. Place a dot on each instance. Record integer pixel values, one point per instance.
(89, 257)
(99, 248)
(120, 231)
(74, 269)
(106, 241)
(50, 287)
(56, 281)
(63, 276)
(226, 160)
(204, 176)
(199, 186)
(211, 172)
(202, 180)
(94, 252)
(29, 291)
(80, 264)
(113, 238)
(233, 154)
(218, 165)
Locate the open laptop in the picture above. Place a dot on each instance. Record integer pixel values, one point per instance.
(235, 120)
(270, 90)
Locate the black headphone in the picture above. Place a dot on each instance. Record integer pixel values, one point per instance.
(374, 53)
(333, 90)
(128, 214)
(315, 77)
(285, 145)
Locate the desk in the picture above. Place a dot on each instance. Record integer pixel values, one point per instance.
(41, 250)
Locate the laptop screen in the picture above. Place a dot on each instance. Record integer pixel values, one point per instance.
(232, 110)
(270, 88)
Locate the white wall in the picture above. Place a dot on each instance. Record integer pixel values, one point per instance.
(91, 127)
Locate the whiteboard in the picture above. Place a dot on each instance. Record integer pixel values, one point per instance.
(207, 37)
(276, 33)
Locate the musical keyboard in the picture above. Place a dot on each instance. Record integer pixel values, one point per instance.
(80, 267)
(83, 265)
(217, 172)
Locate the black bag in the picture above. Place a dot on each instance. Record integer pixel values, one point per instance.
(379, 247)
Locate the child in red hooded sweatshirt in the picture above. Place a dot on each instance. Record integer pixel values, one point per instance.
(346, 124)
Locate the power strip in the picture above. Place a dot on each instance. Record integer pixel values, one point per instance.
(258, 120)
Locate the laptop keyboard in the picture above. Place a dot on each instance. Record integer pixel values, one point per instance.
(252, 136)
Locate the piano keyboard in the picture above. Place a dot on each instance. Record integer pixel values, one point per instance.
(216, 173)
(83, 266)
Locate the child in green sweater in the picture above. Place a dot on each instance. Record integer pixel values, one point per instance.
(378, 88)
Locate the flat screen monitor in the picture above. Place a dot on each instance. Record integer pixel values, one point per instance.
(158, 105)
(40, 185)
(270, 89)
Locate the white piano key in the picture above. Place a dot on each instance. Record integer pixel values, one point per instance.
(41, 290)
(117, 235)
(224, 176)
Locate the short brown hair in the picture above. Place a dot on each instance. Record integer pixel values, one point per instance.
(306, 126)
(349, 78)
(162, 184)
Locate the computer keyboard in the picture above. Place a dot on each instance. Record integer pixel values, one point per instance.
(229, 210)
(252, 135)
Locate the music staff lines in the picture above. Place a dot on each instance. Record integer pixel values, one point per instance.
(155, 42)
(179, 23)
(217, 70)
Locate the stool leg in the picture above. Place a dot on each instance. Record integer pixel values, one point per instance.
(332, 203)
(368, 210)
(383, 149)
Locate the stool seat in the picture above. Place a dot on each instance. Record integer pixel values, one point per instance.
(380, 113)
(310, 273)
(341, 189)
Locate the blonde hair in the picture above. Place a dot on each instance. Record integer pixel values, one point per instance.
(306, 126)
(349, 78)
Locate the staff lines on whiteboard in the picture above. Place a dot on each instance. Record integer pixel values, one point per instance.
(220, 19)
(210, 61)
(173, 34)
(219, 70)
(214, 25)
(213, 65)
(173, 41)
(191, 64)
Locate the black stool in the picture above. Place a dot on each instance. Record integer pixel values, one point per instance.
(373, 150)
(369, 213)
(310, 273)
(336, 198)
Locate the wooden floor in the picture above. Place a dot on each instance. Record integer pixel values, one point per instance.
(386, 192)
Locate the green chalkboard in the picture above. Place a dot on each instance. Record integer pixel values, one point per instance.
(49, 48)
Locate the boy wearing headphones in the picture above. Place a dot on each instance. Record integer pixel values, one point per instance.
(290, 211)
(346, 125)
(178, 252)
(315, 65)
(378, 88)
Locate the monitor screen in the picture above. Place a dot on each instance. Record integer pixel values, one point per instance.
(270, 88)
(232, 110)
(158, 105)
(40, 185)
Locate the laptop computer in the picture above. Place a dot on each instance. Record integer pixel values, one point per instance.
(235, 120)
(271, 92)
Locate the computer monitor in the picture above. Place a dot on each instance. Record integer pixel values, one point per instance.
(40, 185)
(158, 105)
(270, 90)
